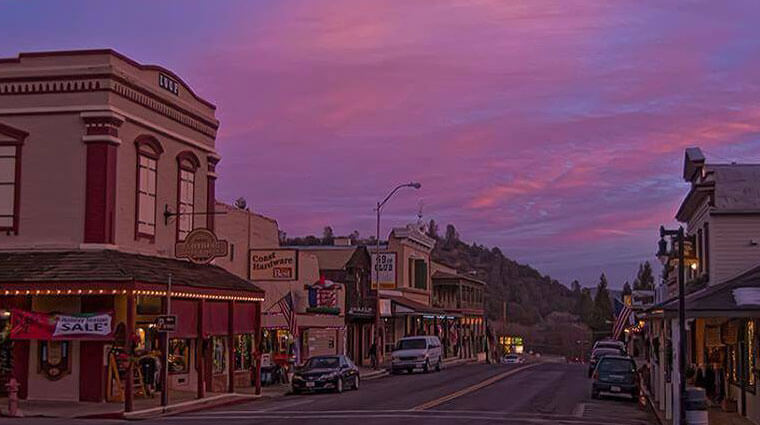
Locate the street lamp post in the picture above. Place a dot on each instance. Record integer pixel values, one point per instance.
(663, 256)
(378, 324)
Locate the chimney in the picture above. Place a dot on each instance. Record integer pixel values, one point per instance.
(342, 241)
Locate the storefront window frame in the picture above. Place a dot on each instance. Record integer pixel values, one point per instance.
(219, 360)
(188, 355)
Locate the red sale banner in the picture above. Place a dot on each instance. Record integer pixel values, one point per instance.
(30, 325)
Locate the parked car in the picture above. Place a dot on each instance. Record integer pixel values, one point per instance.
(512, 359)
(417, 352)
(598, 354)
(609, 343)
(326, 373)
(615, 375)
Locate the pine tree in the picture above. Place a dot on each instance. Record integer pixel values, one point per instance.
(602, 314)
(644, 277)
(626, 288)
(586, 306)
(432, 229)
(327, 236)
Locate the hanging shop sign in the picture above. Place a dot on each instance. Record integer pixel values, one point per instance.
(201, 246)
(44, 326)
(166, 323)
(384, 270)
(385, 307)
(273, 264)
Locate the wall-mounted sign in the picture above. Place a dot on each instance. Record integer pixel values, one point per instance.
(166, 323)
(200, 246)
(384, 270)
(273, 264)
(44, 326)
(168, 83)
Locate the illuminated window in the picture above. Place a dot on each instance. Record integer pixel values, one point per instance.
(751, 352)
(179, 355)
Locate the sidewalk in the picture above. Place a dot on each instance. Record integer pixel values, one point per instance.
(715, 416)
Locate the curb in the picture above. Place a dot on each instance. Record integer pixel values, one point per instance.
(374, 375)
(189, 406)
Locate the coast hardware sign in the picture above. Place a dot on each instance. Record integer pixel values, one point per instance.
(201, 246)
(384, 270)
(273, 264)
(44, 326)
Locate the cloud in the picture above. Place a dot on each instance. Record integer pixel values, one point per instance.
(552, 129)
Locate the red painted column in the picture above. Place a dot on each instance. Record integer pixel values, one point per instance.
(231, 346)
(130, 327)
(199, 354)
(211, 192)
(101, 138)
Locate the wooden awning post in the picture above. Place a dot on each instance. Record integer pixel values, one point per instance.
(129, 347)
(231, 346)
(199, 355)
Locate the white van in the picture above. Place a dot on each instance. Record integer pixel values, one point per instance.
(417, 352)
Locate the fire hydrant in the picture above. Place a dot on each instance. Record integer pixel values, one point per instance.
(12, 387)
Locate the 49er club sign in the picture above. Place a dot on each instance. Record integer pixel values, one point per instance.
(201, 246)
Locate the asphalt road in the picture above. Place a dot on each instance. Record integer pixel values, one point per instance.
(546, 393)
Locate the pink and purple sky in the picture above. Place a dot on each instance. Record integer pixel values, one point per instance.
(552, 129)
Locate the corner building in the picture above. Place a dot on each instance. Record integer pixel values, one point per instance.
(106, 164)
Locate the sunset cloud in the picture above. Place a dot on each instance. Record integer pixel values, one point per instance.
(552, 129)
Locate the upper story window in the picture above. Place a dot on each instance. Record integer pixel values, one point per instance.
(8, 186)
(148, 152)
(188, 165)
(418, 273)
(10, 174)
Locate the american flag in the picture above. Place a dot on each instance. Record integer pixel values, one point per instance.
(623, 318)
(286, 307)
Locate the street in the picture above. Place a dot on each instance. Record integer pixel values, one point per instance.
(544, 393)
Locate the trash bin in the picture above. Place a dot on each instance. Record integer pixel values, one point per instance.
(696, 406)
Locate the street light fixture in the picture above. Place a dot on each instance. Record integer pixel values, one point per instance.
(378, 208)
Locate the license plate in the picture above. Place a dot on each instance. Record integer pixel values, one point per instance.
(615, 389)
(311, 384)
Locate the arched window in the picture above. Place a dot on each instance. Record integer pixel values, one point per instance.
(188, 164)
(148, 152)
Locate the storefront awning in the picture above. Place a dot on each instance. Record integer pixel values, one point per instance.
(94, 272)
(404, 306)
(737, 297)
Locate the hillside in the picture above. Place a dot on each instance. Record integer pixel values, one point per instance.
(530, 296)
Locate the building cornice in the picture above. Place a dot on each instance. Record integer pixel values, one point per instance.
(109, 82)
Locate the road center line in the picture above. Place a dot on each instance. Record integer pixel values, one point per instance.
(472, 388)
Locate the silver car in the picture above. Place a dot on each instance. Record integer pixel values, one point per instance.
(417, 352)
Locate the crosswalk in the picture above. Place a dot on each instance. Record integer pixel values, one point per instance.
(585, 414)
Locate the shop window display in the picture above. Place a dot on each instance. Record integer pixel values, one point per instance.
(179, 355)
(53, 359)
(219, 354)
(243, 346)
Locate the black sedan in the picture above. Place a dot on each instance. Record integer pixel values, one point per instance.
(335, 373)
